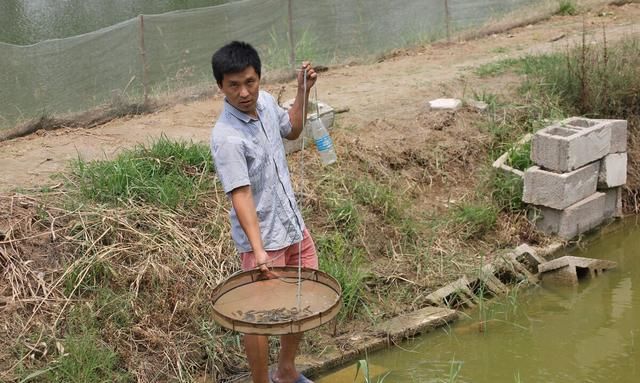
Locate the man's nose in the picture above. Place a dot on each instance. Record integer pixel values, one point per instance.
(244, 92)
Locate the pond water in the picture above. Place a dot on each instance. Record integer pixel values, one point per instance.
(590, 333)
(24, 22)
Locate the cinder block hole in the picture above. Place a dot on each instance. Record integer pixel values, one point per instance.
(508, 277)
(480, 289)
(581, 123)
(562, 132)
(582, 272)
(529, 262)
(455, 300)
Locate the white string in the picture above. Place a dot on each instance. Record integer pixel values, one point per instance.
(304, 124)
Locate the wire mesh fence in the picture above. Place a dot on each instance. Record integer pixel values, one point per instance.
(153, 56)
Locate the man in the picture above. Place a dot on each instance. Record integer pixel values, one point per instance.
(248, 151)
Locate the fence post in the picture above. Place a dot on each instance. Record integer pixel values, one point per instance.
(143, 55)
(447, 20)
(292, 44)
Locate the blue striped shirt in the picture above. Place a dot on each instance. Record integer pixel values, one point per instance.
(250, 152)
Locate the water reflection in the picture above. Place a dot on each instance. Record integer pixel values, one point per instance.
(25, 22)
(587, 333)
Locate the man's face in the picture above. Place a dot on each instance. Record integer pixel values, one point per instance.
(241, 90)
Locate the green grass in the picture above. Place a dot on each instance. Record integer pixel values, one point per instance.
(165, 173)
(495, 68)
(84, 358)
(474, 219)
(380, 198)
(344, 214)
(342, 261)
(506, 192)
(600, 81)
(519, 156)
(567, 8)
(87, 276)
(363, 365)
(526, 65)
(277, 52)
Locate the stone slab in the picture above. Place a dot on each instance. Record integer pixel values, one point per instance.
(416, 322)
(613, 203)
(571, 144)
(445, 104)
(559, 191)
(613, 170)
(574, 220)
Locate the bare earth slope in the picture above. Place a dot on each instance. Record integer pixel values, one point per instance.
(386, 99)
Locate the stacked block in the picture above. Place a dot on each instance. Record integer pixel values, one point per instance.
(581, 165)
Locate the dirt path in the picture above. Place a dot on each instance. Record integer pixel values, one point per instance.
(386, 99)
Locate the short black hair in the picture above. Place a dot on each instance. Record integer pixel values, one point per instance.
(233, 58)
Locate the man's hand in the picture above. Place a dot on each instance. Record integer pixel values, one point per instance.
(262, 261)
(311, 76)
(262, 258)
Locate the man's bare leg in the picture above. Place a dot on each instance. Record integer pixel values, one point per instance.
(287, 372)
(257, 349)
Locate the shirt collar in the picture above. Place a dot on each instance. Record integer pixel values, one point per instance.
(240, 115)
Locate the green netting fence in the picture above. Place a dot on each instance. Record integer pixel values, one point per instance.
(157, 55)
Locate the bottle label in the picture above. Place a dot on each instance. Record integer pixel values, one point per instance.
(324, 143)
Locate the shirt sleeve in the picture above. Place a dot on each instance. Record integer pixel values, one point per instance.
(230, 162)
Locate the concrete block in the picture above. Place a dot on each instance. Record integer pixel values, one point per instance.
(613, 203)
(571, 144)
(528, 257)
(618, 136)
(576, 219)
(559, 191)
(570, 270)
(454, 295)
(613, 171)
(445, 104)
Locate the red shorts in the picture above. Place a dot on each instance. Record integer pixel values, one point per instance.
(287, 256)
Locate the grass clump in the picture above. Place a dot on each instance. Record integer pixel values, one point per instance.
(84, 358)
(380, 198)
(495, 68)
(342, 261)
(165, 173)
(596, 81)
(506, 192)
(519, 156)
(567, 8)
(474, 219)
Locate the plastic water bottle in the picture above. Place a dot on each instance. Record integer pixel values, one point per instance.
(323, 141)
